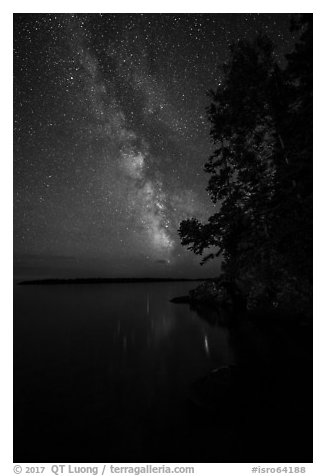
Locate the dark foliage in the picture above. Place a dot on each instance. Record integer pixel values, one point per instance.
(261, 173)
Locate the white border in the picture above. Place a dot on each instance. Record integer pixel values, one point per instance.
(319, 465)
(169, 6)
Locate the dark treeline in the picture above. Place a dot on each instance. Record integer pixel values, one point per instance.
(261, 174)
(104, 280)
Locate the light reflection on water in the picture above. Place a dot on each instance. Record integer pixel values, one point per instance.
(118, 352)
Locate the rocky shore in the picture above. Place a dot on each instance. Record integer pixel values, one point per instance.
(234, 299)
(269, 386)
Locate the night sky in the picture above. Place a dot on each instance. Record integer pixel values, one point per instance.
(111, 135)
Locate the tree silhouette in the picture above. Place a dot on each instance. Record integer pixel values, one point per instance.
(261, 170)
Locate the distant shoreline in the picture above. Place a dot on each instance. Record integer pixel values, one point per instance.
(108, 280)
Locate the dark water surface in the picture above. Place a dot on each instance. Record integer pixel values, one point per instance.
(117, 373)
(103, 372)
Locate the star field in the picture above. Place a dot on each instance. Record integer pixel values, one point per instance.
(111, 135)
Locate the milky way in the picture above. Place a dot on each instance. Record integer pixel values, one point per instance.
(111, 136)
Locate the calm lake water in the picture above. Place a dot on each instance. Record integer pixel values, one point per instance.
(103, 372)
